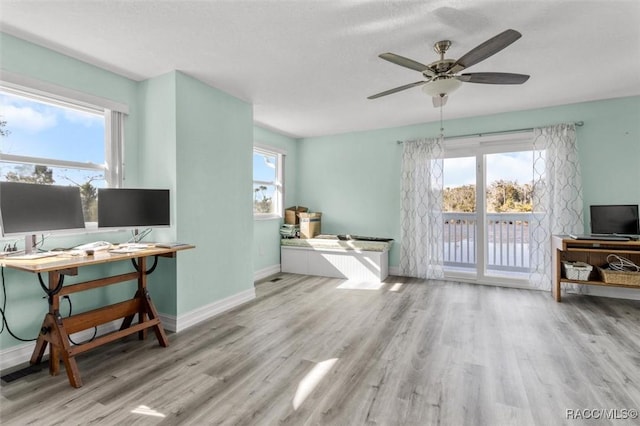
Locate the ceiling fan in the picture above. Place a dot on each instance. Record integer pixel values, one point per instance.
(442, 76)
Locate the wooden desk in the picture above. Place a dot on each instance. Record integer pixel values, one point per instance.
(55, 330)
(593, 252)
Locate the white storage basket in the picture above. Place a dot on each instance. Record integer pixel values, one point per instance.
(577, 270)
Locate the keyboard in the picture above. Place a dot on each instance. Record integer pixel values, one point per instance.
(137, 245)
(127, 249)
(95, 246)
(31, 256)
(170, 245)
(599, 237)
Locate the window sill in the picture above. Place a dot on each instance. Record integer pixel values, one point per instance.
(266, 217)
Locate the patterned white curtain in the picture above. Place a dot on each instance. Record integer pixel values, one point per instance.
(557, 196)
(114, 143)
(421, 219)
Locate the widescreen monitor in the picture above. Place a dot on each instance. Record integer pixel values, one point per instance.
(133, 208)
(27, 208)
(615, 219)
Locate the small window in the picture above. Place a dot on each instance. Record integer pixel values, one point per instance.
(267, 183)
(47, 140)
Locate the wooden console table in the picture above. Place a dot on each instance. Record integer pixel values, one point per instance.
(55, 330)
(593, 252)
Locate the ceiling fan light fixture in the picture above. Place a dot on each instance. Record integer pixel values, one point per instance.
(441, 86)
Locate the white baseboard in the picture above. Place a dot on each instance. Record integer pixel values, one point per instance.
(394, 270)
(266, 272)
(16, 355)
(184, 321)
(21, 354)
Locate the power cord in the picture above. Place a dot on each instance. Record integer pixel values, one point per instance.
(619, 263)
(5, 324)
(95, 329)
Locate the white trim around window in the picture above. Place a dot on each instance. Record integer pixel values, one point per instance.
(280, 154)
(49, 91)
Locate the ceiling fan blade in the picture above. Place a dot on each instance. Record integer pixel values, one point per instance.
(486, 49)
(493, 78)
(397, 89)
(407, 63)
(439, 101)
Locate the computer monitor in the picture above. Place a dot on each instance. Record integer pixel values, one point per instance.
(29, 209)
(133, 208)
(615, 219)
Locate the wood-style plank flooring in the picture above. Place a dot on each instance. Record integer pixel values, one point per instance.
(412, 352)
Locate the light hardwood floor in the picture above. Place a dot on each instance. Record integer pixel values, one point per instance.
(413, 352)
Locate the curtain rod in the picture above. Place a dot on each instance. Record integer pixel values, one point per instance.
(499, 132)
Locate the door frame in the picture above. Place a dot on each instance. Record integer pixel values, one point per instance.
(479, 146)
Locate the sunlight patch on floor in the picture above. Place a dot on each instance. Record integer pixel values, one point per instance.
(144, 410)
(359, 285)
(311, 380)
(396, 287)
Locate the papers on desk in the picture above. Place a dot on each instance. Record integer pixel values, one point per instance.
(127, 249)
(32, 256)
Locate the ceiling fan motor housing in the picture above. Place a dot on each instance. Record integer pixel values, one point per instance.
(441, 66)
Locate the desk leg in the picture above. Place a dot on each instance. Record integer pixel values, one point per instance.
(53, 333)
(153, 314)
(64, 349)
(147, 308)
(557, 275)
(142, 290)
(38, 351)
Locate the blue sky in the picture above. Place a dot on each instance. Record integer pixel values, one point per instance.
(513, 166)
(265, 171)
(51, 131)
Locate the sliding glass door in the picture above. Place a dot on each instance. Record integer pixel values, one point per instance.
(508, 197)
(487, 208)
(460, 218)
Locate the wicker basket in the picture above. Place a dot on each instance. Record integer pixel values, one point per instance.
(620, 277)
(576, 270)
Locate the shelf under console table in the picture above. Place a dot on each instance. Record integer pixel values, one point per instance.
(594, 253)
(55, 329)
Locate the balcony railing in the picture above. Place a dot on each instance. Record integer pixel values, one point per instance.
(507, 236)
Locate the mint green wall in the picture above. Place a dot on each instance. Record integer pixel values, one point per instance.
(354, 178)
(266, 233)
(25, 306)
(156, 150)
(214, 141)
(180, 134)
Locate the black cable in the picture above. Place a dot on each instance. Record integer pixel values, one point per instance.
(4, 300)
(150, 270)
(4, 317)
(95, 329)
(53, 292)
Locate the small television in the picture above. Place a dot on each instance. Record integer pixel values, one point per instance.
(133, 208)
(615, 219)
(29, 209)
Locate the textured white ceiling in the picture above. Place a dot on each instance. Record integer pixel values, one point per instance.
(308, 66)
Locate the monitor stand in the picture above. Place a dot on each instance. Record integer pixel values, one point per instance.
(30, 245)
(139, 236)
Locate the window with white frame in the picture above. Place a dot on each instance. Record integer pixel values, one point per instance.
(48, 139)
(268, 190)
